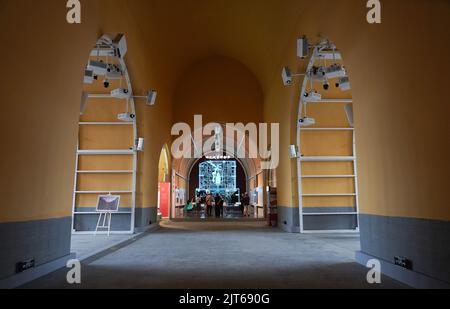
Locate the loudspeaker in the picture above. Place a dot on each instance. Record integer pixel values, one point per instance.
(349, 112)
(140, 144)
(84, 98)
(293, 151)
(151, 97)
(302, 47)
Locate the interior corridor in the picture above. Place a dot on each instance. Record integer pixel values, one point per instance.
(225, 144)
(229, 255)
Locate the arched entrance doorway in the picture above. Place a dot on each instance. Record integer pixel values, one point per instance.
(219, 173)
(164, 186)
(224, 177)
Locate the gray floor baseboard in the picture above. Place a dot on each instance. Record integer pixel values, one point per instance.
(35, 273)
(409, 277)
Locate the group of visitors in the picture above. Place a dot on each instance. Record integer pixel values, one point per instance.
(217, 203)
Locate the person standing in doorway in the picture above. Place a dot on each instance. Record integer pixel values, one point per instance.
(246, 204)
(221, 205)
(217, 205)
(209, 204)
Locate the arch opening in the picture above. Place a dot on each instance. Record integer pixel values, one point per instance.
(164, 184)
(247, 179)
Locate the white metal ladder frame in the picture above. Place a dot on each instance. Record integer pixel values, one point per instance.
(109, 52)
(317, 55)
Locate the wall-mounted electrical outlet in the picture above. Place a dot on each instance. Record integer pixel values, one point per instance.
(24, 265)
(403, 262)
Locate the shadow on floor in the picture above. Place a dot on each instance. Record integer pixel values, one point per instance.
(226, 255)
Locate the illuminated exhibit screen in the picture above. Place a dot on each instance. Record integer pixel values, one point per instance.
(217, 176)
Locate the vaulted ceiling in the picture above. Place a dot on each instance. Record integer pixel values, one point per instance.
(181, 32)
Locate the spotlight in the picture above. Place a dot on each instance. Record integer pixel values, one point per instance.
(127, 117)
(113, 72)
(343, 84)
(306, 121)
(312, 96)
(98, 67)
(317, 73)
(335, 71)
(106, 83)
(286, 76)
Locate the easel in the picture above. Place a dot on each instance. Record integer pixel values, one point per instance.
(106, 222)
(106, 214)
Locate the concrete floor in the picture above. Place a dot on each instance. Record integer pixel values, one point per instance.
(87, 245)
(229, 255)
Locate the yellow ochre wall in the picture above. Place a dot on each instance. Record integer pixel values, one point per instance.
(42, 83)
(401, 109)
(400, 106)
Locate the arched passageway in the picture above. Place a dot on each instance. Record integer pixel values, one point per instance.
(222, 58)
(219, 172)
